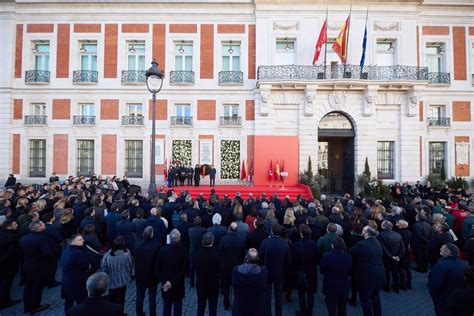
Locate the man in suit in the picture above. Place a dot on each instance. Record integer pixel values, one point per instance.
(421, 238)
(206, 264)
(159, 228)
(75, 267)
(335, 266)
(35, 251)
(8, 261)
(172, 269)
(367, 255)
(96, 304)
(217, 230)
(393, 252)
(212, 176)
(145, 253)
(55, 241)
(275, 255)
(195, 234)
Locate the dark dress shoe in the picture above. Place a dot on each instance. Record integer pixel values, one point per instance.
(9, 303)
(39, 309)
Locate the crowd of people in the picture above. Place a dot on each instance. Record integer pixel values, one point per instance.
(104, 235)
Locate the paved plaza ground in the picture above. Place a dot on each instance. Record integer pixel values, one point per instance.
(416, 302)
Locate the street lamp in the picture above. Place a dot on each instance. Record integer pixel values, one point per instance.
(154, 82)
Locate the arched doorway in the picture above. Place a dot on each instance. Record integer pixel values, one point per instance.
(336, 153)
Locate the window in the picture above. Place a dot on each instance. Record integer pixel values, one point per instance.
(134, 158)
(437, 111)
(472, 63)
(183, 110)
(231, 56)
(135, 109)
(385, 160)
(86, 109)
(85, 157)
(435, 57)
(37, 158)
(89, 56)
(136, 55)
(331, 56)
(38, 109)
(323, 148)
(285, 52)
(41, 55)
(386, 52)
(231, 110)
(183, 56)
(437, 157)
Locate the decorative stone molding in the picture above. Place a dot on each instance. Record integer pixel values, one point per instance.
(387, 26)
(370, 94)
(414, 97)
(264, 97)
(335, 26)
(310, 96)
(286, 26)
(337, 100)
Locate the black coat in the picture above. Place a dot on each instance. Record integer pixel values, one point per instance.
(392, 244)
(206, 265)
(249, 282)
(336, 266)
(367, 256)
(54, 238)
(96, 306)
(172, 267)
(436, 241)
(305, 259)
(218, 231)
(35, 251)
(195, 238)
(255, 238)
(159, 228)
(75, 267)
(446, 276)
(461, 302)
(183, 228)
(231, 254)
(11, 181)
(8, 252)
(125, 228)
(421, 234)
(145, 254)
(275, 254)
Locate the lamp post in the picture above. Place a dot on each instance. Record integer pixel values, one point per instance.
(154, 82)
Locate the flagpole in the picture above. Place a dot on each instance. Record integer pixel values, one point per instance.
(365, 39)
(326, 43)
(347, 42)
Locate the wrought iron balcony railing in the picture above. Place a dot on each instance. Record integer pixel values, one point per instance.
(439, 121)
(439, 78)
(230, 121)
(37, 76)
(35, 119)
(85, 76)
(344, 72)
(230, 77)
(181, 120)
(182, 77)
(83, 120)
(133, 76)
(132, 120)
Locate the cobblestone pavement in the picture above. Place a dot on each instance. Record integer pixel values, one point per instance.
(415, 302)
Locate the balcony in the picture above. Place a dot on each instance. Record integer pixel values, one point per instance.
(230, 77)
(230, 121)
(182, 77)
(37, 76)
(439, 78)
(133, 76)
(186, 121)
(35, 119)
(83, 120)
(439, 121)
(85, 76)
(342, 72)
(132, 120)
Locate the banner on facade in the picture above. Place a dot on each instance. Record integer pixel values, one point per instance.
(205, 152)
(462, 153)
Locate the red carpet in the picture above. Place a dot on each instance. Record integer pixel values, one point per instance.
(231, 190)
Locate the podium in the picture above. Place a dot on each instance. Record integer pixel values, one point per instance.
(283, 175)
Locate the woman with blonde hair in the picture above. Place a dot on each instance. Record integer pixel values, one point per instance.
(269, 221)
(68, 225)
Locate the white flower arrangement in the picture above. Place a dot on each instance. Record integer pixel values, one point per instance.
(182, 152)
(230, 159)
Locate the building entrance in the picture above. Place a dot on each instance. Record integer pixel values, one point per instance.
(336, 153)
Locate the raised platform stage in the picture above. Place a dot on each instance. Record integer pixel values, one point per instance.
(231, 190)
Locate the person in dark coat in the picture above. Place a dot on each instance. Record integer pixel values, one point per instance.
(206, 264)
(305, 257)
(231, 254)
(393, 251)
(275, 255)
(217, 230)
(249, 281)
(8, 261)
(469, 249)
(255, 238)
(35, 251)
(212, 176)
(440, 237)
(96, 304)
(55, 241)
(367, 256)
(11, 181)
(159, 228)
(172, 270)
(111, 219)
(405, 267)
(183, 226)
(145, 254)
(446, 276)
(461, 301)
(89, 218)
(197, 175)
(195, 234)
(421, 231)
(75, 267)
(189, 175)
(125, 228)
(336, 266)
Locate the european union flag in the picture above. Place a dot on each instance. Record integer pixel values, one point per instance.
(364, 46)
